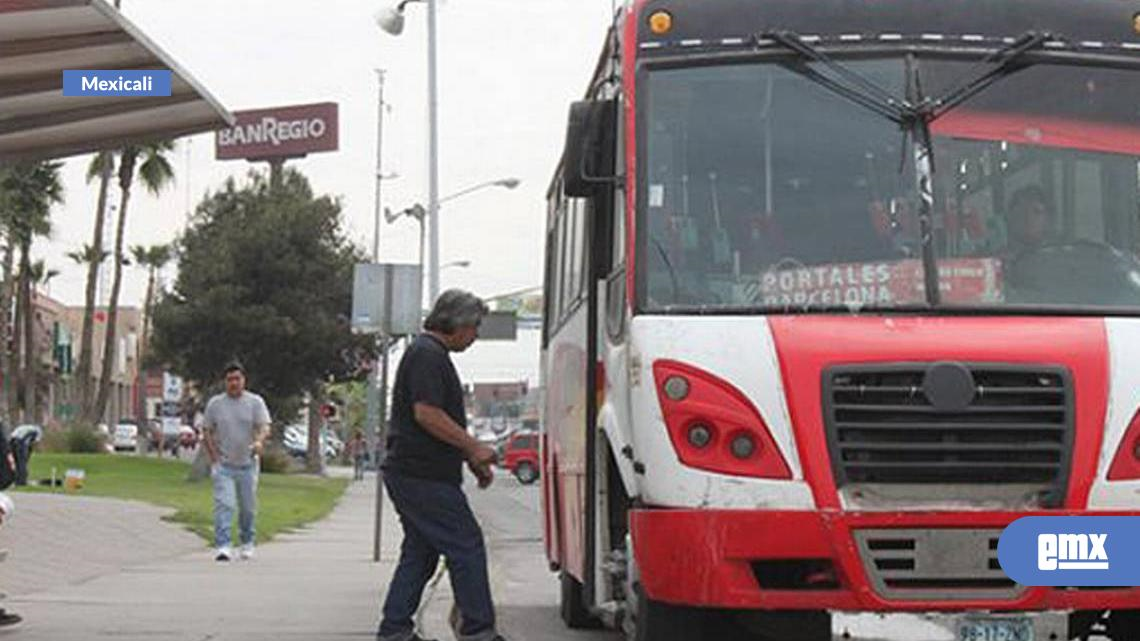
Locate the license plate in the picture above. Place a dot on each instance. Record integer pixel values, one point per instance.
(995, 630)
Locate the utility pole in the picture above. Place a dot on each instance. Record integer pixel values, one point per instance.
(377, 395)
(433, 152)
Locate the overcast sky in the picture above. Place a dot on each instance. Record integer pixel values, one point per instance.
(508, 71)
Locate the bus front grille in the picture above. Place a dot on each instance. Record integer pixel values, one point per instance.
(950, 423)
(934, 564)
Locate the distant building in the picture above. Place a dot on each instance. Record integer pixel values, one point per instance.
(124, 371)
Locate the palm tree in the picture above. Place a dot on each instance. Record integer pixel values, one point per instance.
(32, 190)
(153, 259)
(7, 293)
(155, 172)
(87, 255)
(102, 167)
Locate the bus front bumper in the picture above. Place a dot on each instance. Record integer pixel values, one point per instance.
(881, 561)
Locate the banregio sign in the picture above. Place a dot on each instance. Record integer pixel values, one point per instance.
(281, 132)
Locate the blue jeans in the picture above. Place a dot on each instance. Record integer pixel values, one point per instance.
(235, 488)
(437, 521)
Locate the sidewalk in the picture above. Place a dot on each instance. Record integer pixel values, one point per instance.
(316, 584)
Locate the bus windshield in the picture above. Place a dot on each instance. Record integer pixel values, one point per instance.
(761, 188)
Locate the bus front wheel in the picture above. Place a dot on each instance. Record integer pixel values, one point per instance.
(655, 621)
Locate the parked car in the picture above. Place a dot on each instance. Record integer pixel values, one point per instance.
(297, 442)
(126, 437)
(520, 456)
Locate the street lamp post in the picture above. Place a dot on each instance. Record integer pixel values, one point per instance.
(392, 21)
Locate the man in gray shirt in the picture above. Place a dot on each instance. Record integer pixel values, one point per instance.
(235, 429)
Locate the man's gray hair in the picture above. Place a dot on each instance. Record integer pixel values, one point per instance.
(454, 309)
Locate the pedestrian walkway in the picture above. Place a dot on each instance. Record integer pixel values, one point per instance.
(58, 540)
(319, 583)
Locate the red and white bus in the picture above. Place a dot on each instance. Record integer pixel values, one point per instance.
(835, 291)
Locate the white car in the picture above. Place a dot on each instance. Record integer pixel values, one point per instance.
(126, 437)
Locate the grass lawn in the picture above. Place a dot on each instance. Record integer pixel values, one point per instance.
(284, 502)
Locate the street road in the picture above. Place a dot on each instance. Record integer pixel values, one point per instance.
(527, 594)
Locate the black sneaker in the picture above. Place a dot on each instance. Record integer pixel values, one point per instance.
(8, 619)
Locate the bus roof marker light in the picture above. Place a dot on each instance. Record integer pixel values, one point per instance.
(661, 22)
(677, 388)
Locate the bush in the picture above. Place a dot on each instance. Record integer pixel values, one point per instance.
(275, 460)
(74, 439)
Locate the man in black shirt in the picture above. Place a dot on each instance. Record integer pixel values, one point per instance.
(423, 470)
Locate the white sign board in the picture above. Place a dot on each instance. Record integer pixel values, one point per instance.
(386, 299)
(171, 387)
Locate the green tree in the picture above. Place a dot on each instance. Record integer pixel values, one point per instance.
(152, 259)
(102, 168)
(264, 276)
(156, 173)
(31, 191)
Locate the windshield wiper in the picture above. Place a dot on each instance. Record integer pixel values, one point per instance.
(1005, 61)
(857, 88)
(866, 92)
(913, 114)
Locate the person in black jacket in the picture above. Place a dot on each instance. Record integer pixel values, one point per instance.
(423, 472)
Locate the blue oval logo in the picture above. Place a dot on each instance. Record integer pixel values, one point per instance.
(1075, 551)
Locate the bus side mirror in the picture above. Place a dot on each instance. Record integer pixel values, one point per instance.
(588, 160)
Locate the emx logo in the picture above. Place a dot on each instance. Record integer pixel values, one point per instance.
(1072, 551)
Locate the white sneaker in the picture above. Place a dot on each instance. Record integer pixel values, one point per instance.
(224, 554)
(246, 552)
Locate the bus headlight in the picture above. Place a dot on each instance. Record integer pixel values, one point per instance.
(699, 435)
(743, 446)
(676, 388)
(713, 425)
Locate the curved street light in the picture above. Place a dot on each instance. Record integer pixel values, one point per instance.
(505, 183)
(421, 214)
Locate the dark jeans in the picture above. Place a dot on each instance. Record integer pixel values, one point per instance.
(437, 521)
(22, 452)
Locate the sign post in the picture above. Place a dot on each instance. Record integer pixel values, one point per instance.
(386, 302)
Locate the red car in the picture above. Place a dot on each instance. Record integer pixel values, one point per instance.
(520, 456)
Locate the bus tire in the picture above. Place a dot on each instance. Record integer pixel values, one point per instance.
(575, 614)
(656, 621)
(792, 625)
(526, 473)
(1124, 625)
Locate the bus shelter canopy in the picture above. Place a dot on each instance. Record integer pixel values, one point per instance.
(39, 39)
